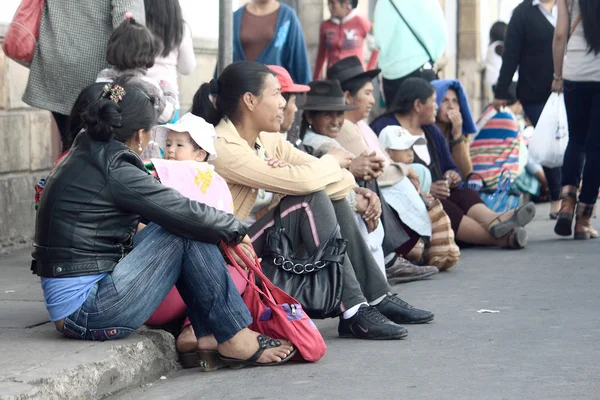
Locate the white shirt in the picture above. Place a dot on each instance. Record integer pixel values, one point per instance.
(580, 64)
(422, 151)
(182, 60)
(550, 16)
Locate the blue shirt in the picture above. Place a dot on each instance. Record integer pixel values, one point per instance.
(287, 49)
(63, 296)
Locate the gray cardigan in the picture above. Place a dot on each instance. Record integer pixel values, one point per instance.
(71, 49)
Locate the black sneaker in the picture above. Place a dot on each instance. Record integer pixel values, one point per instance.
(368, 323)
(400, 312)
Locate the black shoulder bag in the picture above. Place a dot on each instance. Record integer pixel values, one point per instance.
(316, 282)
(428, 74)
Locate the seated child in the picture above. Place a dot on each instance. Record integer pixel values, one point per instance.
(187, 145)
(398, 144)
(133, 62)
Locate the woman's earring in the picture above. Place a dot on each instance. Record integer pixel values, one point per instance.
(140, 147)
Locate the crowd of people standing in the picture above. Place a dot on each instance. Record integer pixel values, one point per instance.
(118, 243)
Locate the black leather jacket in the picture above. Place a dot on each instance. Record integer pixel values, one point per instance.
(93, 201)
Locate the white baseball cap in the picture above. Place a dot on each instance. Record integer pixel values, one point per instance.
(395, 137)
(200, 131)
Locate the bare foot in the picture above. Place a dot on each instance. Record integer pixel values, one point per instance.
(208, 343)
(244, 344)
(186, 341)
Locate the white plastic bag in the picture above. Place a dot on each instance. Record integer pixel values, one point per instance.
(551, 135)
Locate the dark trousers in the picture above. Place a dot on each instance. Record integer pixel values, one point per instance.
(62, 122)
(391, 86)
(553, 175)
(582, 100)
(312, 218)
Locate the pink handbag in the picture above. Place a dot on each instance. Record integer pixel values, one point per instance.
(23, 32)
(239, 280)
(277, 314)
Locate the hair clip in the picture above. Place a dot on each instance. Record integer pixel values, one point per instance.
(128, 15)
(113, 92)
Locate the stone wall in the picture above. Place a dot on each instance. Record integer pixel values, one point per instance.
(29, 142)
(27, 152)
(469, 54)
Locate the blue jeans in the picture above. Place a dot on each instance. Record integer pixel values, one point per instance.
(582, 100)
(553, 175)
(122, 301)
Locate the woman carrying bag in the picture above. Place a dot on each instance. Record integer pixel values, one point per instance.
(580, 69)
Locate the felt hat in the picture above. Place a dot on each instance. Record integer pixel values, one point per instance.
(325, 96)
(350, 68)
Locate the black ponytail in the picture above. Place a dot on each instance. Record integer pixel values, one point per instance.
(410, 90)
(305, 125)
(102, 118)
(590, 15)
(238, 78)
(87, 96)
(203, 106)
(105, 119)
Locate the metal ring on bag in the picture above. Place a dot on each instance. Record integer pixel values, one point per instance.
(309, 268)
(298, 269)
(278, 260)
(287, 266)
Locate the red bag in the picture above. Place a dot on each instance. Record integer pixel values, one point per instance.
(23, 32)
(277, 314)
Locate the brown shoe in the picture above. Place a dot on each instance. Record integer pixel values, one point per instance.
(404, 271)
(583, 222)
(564, 224)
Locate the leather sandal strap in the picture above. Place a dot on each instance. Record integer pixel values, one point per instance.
(264, 343)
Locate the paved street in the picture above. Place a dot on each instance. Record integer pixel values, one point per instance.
(543, 344)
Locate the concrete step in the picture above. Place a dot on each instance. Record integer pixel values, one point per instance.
(37, 362)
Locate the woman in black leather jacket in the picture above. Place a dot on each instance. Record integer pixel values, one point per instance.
(101, 280)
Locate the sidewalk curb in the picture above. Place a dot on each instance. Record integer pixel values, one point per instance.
(150, 355)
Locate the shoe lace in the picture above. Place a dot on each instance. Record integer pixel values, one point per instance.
(395, 299)
(373, 315)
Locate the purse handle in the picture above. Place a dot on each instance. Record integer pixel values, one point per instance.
(253, 265)
(504, 182)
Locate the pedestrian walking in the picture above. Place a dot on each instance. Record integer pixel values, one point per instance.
(578, 74)
(528, 47)
(72, 48)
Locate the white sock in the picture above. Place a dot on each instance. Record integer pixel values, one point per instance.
(377, 300)
(351, 312)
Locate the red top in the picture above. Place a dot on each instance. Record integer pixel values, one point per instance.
(341, 39)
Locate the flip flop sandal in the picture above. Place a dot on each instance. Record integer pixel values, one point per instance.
(264, 343)
(206, 360)
(521, 217)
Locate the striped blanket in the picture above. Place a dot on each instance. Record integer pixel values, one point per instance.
(496, 147)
